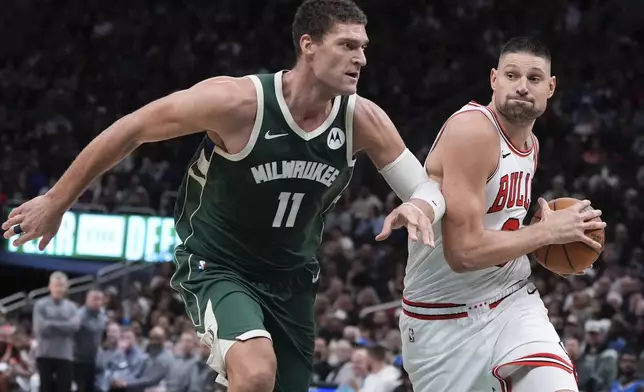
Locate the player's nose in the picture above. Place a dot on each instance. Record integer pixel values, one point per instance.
(522, 88)
(360, 59)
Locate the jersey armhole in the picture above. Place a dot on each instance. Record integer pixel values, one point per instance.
(348, 121)
(440, 133)
(257, 125)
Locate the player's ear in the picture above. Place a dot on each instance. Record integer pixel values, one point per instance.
(552, 84)
(306, 44)
(493, 79)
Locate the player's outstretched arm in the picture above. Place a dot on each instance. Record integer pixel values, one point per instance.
(185, 112)
(467, 153)
(376, 135)
(210, 105)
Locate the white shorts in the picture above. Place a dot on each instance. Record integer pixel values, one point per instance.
(487, 349)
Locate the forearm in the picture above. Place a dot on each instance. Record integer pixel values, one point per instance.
(100, 155)
(66, 326)
(492, 247)
(409, 180)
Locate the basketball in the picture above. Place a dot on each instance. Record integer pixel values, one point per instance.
(568, 258)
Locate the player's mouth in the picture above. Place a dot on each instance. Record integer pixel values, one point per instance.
(353, 75)
(521, 99)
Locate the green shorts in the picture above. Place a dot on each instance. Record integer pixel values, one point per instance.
(225, 308)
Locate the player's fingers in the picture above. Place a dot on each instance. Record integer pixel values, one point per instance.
(45, 240)
(543, 204)
(12, 232)
(386, 228)
(593, 225)
(590, 214)
(590, 242)
(17, 211)
(425, 230)
(412, 229)
(582, 205)
(10, 222)
(23, 239)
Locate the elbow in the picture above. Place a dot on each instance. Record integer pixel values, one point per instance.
(129, 132)
(459, 261)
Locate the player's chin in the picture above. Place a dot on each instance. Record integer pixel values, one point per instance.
(348, 88)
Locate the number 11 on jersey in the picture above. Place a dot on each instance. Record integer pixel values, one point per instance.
(284, 198)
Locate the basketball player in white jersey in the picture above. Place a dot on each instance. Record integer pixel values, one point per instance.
(471, 321)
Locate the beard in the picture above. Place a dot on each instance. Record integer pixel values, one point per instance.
(519, 112)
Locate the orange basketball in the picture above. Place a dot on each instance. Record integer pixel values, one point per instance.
(569, 258)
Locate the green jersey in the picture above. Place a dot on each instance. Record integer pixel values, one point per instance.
(260, 212)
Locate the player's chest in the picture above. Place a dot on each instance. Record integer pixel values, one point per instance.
(510, 188)
(283, 156)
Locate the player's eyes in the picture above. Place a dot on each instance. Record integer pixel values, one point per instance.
(510, 75)
(535, 79)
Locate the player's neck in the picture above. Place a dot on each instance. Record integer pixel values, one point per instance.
(518, 133)
(304, 95)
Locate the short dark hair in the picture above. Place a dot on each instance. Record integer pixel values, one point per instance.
(530, 45)
(629, 350)
(317, 17)
(377, 352)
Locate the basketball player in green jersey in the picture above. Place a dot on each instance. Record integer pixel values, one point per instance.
(279, 150)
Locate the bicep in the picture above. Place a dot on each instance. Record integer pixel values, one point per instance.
(465, 172)
(376, 134)
(197, 109)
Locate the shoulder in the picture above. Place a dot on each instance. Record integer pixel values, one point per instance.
(367, 113)
(372, 126)
(467, 144)
(469, 128)
(224, 91)
(42, 302)
(212, 101)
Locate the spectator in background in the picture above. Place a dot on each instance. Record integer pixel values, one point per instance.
(383, 377)
(321, 367)
(93, 321)
(126, 363)
(598, 360)
(352, 374)
(182, 363)
(15, 369)
(153, 369)
(627, 380)
(55, 323)
(340, 355)
(202, 376)
(106, 355)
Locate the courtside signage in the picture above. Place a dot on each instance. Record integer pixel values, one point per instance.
(99, 236)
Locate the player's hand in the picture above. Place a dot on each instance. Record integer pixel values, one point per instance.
(39, 217)
(571, 224)
(413, 218)
(582, 273)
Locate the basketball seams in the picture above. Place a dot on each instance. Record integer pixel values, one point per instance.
(595, 251)
(572, 266)
(545, 257)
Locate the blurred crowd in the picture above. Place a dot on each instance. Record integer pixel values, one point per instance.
(67, 73)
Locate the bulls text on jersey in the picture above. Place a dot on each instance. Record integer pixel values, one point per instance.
(514, 191)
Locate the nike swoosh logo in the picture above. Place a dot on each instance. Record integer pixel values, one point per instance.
(503, 155)
(533, 291)
(316, 277)
(268, 135)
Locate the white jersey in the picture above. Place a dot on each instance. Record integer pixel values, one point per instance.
(428, 277)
